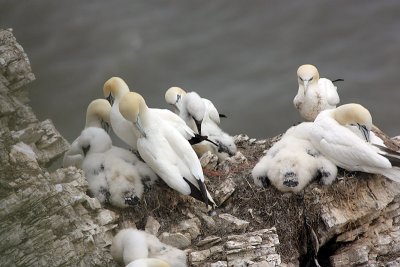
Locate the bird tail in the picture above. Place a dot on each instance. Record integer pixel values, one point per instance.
(392, 173)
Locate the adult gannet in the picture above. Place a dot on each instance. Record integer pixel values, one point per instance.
(97, 115)
(148, 262)
(315, 94)
(293, 162)
(165, 150)
(130, 245)
(346, 149)
(114, 89)
(111, 178)
(192, 108)
(201, 116)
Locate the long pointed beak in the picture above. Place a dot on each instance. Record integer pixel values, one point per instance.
(139, 126)
(198, 125)
(110, 99)
(364, 131)
(305, 86)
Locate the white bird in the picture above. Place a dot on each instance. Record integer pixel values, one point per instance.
(346, 149)
(148, 262)
(114, 89)
(201, 116)
(165, 150)
(293, 162)
(97, 115)
(131, 245)
(315, 94)
(192, 108)
(111, 178)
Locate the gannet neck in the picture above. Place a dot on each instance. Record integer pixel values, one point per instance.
(307, 74)
(116, 87)
(353, 114)
(98, 111)
(195, 106)
(174, 94)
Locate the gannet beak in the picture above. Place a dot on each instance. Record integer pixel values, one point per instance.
(139, 126)
(364, 131)
(305, 86)
(198, 125)
(110, 99)
(85, 149)
(105, 126)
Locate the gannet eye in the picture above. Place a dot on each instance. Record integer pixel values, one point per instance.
(301, 79)
(311, 78)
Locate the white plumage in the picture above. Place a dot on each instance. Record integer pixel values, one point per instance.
(346, 149)
(165, 150)
(202, 117)
(113, 175)
(148, 262)
(315, 94)
(98, 116)
(293, 162)
(130, 245)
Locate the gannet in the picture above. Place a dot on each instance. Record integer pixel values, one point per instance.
(148, 262)
(165, 150)
(114, 89)
(191, 107)
(97, 115)
(111, 178)
(130, 245)
(346, 149)
(201, 116)
(315, 94)
(293, 162)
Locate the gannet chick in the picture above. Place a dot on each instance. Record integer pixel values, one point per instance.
(315, 94)
(148, 262)
(114, 89)
(110, 178)
(292, 163)
(97, 115)
(346, 149)
(165, 150)
(130, 245)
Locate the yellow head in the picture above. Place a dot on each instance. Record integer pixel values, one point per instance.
(98, 111)
(131, 105)
(115, 87)
(307, 74)
(174, 94)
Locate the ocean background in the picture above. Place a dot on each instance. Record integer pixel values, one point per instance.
(242, 55)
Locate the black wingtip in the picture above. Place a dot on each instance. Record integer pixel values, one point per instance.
(199, 194)
(338, 80)
(222, 116)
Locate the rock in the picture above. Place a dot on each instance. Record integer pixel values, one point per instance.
(177, 240)
(233, 223)
(219, 264)
(191, 227)
(224, 191)
(209, 240)
(152, 226)
(208, 160)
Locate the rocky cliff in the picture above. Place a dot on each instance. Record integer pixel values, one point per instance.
(47, 219)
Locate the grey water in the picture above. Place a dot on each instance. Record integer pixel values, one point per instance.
(242, 55)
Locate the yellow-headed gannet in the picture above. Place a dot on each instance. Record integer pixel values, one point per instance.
(97, 115)
(165, 150)
(315, 94)
(331, 136)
